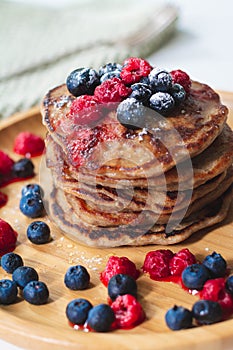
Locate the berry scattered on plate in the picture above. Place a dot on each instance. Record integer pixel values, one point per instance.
(178, 318)
(11, 261)
(38, 232)
(8, 291)
(100, 318)
(23, 275)
(128, 312)
(23, 168)
(77, 311)
(31, 202)
(121, 284)
(28, 144)
(116, 265)
(36, 293)
(8, 237)
(77, 278)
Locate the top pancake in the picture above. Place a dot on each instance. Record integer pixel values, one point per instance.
(129, 154)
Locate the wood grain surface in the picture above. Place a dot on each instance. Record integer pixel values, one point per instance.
(46, 327)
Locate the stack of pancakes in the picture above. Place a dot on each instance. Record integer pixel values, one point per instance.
(113, 186)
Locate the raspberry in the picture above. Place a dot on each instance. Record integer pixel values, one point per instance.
(134, 69)
(3, 199)
(180, 261)
(108, 132)
(82, 141)
(212, 289)
(128, 311)
(156, 263)
(182, 78)
(116, 265)
(215, 290)
(226, 302)
(8, 238)
(112, 90)
(6, 163)
(85, 110)
(28, 144)
(80, 145)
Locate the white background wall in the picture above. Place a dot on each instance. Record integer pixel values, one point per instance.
(203, 45)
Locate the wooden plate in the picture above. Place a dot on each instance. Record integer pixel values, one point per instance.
(46, 327)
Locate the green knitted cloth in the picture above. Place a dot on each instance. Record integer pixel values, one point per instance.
(41, 45)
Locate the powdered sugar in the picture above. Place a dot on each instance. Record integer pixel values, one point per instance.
(141, 133)
(74, 256)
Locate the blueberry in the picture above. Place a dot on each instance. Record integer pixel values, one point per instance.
(178, 318)
(100, 318)
(8, 291)
(130, 113)
(77, 310)
(77, 278)
(33, 189)
(216, 264)
(82, 81)
(145, 80)
(38, 232)
(229, 284)
(110, 75)
(121, 284)
(162, 102)
(194, 276)
(36, 292)
(31, 206)
(141, 92)
(23, 168)
(178, 92)
(160, 80)
(109, 67)
(11, 261)
(23, 275)
(207, 312)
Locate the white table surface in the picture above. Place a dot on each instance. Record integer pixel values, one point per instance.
(203, 47)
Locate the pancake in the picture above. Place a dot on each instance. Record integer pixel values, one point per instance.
(209, 216)
(62, 213)
(210, 163)
(135, 199)
(96, 216)
(114, 150)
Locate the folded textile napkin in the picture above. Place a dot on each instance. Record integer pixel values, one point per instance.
(41, 45)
